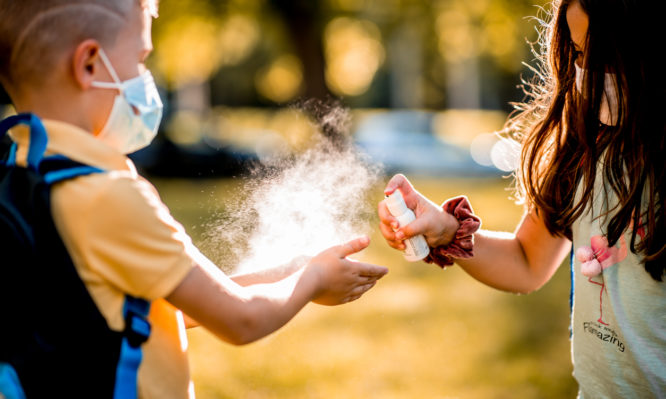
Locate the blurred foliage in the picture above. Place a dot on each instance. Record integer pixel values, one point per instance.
(370, 53)
(266, 52)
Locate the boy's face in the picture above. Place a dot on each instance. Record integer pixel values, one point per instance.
(127, 56)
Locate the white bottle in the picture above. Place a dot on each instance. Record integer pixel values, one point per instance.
(416, 247)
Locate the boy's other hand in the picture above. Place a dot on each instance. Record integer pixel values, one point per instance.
(343, 280)
(437, 226)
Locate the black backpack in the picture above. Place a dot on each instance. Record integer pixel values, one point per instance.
(54, 342)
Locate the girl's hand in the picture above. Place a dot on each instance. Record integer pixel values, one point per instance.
(342, 280)
(437, 226)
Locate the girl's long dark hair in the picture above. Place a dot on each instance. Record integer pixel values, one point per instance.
(564, 144)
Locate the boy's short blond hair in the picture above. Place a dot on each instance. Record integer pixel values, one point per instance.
(35, 34)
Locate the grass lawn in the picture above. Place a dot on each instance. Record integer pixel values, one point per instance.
(420, 333)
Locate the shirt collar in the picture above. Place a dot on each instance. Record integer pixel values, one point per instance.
(74, 143)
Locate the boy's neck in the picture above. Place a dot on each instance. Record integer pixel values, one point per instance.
(55, 106)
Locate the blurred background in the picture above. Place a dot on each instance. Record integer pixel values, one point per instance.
(419, 87)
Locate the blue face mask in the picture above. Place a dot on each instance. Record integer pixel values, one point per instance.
(136, 112)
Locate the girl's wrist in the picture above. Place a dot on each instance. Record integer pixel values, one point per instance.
(460, 244)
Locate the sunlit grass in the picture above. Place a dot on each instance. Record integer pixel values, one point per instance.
(420, 333)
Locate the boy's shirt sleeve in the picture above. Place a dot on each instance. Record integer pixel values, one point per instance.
(119, 232)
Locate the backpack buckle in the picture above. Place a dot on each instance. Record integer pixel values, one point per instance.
(137, 328)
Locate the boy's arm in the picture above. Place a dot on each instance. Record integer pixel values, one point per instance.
(271, 275)
(241, 315)
(260, 277)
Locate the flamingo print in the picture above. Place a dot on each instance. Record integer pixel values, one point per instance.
(598, 257)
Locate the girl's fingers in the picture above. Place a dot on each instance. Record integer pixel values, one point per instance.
(409, 194)
(387, 226)
(392, 240)
(398, 181)
(385, 216)
(418, 226)
(387, 232)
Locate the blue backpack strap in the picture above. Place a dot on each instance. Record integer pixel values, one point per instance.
(11, 159)
(38, 137)
(65, 174)
(137, 330)
(10, 386)
(56, 168)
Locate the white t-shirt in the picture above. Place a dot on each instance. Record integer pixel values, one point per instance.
(619, 316)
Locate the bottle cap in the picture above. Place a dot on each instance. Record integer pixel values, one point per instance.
(396, 204)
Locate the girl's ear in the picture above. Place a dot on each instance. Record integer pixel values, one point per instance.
(85, 63)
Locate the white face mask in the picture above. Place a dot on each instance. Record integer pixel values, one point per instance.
(609, 109)
(136, 112)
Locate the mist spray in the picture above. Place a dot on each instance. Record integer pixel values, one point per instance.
(416, 247)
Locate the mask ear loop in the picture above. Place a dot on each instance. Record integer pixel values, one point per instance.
(107, 64)
(117, 85)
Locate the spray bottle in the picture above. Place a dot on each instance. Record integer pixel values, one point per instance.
(416, 247)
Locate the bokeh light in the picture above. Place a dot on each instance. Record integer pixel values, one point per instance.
(505, 155)
(456, 35)
(191, 48)
(469, 29)
(282, 80)
(237, 37)
(354, 53)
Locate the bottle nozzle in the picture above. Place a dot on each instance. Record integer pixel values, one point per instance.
(396, 203)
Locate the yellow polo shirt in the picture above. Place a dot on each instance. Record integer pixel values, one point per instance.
(123, 240)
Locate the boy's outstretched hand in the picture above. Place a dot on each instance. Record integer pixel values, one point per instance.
(437, 226)
(343, 280)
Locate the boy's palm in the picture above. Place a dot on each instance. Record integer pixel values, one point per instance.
(342, 280)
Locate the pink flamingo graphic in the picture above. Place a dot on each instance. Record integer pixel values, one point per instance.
(597, 257)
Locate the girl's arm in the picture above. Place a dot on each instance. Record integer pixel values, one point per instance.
(240, 315)
(518, 262)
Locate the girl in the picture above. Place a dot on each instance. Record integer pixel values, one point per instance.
(592, 176)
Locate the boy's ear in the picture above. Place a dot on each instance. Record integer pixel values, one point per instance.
(85, 63)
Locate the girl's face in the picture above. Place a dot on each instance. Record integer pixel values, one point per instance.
(577, 21)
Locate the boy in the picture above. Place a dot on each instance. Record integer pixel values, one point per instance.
(79, 66)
